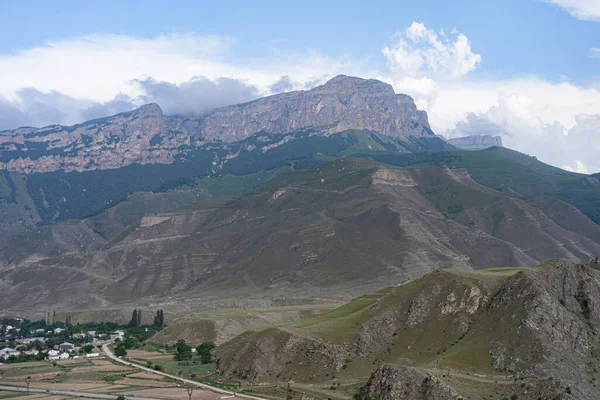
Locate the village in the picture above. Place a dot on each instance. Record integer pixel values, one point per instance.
(22, 340)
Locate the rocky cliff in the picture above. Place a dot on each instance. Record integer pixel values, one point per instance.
(342, 103)
(505, 333)
(476, 142)
(146, 136)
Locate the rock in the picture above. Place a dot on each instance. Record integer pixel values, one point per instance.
(146, 136)
(476, 142)
(399, 382)
(340, 104)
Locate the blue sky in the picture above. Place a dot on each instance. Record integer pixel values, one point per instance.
(527, 70)
(513, 36)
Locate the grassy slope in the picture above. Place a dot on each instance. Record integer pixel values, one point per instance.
(513, 173)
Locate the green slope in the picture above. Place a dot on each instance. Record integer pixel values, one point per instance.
(513, 173)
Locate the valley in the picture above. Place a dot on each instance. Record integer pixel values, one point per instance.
(326, 241)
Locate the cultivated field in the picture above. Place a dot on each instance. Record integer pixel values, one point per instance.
(93, 376)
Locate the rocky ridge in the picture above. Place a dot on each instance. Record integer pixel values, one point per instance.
(444, 335)
(146, 135)
(476, 142)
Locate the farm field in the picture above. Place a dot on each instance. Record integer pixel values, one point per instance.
(98, 376)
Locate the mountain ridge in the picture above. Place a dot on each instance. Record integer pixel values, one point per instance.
(146, 135)
(350, 225)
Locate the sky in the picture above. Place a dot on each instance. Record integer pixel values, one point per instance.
(527, 70)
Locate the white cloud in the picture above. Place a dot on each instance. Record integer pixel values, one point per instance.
(588, 10)
(73, 80)
(594, 52)
(79, 77)
(99, 67)
(419, 52)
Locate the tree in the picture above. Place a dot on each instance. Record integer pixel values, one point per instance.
(88, 348)
(136, 319)
(205, 352)
(120, 350)
(159, 319)
(183, 351)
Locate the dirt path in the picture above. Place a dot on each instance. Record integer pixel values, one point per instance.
(110, 355)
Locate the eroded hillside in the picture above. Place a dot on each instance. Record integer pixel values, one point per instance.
(531, 333)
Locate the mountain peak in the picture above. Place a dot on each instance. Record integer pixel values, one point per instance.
(147, 110)
(344, 83)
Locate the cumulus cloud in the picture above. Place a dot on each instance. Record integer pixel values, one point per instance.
(594, 52)
(553, 121)
(588, 10)
(98, 75)
(420, 51)
(197, 95)
(94, 76)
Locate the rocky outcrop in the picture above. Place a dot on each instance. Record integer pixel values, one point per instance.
(277, 354)
(147, 136)
(476, 142)
(342, 103)
(398, 382)
(534, 329)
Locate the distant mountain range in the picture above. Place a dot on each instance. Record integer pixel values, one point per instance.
(142, 207)
(147, 136)
(346, 227)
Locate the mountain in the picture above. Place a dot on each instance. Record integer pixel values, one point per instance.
(30, 200)
(476, 142)
(501, 333)
(146, 136)
(346, 227)
(59, 173)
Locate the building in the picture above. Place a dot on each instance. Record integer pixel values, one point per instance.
(91, 333)
(66, 346)
(80, 335)
(58, 330)
(117, 335)
(61, 356)
(7, 352)
(90, 355)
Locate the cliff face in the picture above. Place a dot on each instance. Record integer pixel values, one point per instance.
(476, 142)
(342, 103)
(146, 136)
(529, 334)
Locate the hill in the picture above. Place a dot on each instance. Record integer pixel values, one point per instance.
(527, 333)
(36, 199)
(350, 226)
(513, 173)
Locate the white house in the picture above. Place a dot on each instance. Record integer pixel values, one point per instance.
(91, 333)
(7, 352)
(80, 335)
(117, 335)
(90, 355)
(66, 346)
(58, 330)
(61, 356)
(53, 353)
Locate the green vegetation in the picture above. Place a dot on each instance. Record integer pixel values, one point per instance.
(204, 351)
(513, 173)
(120, 350)
(183, 351)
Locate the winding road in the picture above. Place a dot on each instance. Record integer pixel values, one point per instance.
(108, 352)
